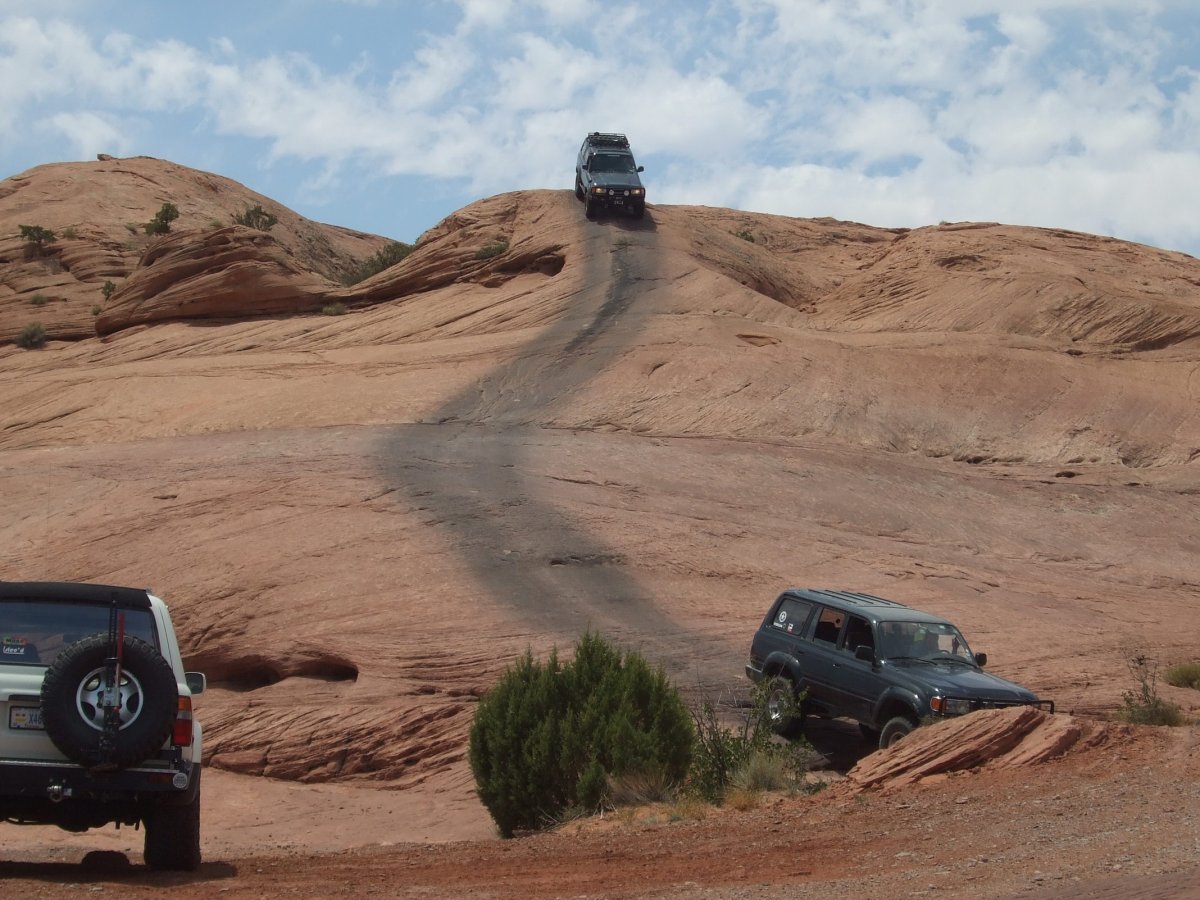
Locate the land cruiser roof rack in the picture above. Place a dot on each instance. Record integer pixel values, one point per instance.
(599, 139)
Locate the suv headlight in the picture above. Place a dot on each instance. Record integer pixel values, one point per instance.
(599, 190)
(950, 707)
(637, 192)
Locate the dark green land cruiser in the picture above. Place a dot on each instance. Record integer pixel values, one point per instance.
(883, 664)
(606, 177)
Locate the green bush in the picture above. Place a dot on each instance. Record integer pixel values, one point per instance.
(107, 288)
(1184, 675)
(37, 237)
(747, 758)
(161, 223)
(548, 737)
(334, 309)
(32, 336)
(487, 251)
(1143, 706)
(256, 217)
(96, 309)
(745, 235)
(38, 299)
(377, 262)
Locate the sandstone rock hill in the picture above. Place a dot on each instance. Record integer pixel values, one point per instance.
(536, 424)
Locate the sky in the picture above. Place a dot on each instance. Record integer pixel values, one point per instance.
(386, 116)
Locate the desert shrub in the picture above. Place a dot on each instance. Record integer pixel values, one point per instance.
(1143, 706)
(488, 251)
(548, 737)
(107, 288)
(37, 238)
(38, 300)
(377, 262)
(741, 758)
(161, 223)
(333, 309)
(70, 232)
(639, 788)
(1184, 675)
(745, 235)
(31, 336)
(95, 309)
(132, 229)
(255, 217)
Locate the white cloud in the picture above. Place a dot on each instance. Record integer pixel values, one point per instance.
(91, 133)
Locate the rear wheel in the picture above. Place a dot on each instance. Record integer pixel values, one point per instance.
(173, 834)
(895, 731)
(578, 188)
(784, 712)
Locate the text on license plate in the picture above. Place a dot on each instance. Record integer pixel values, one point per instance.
(25, 718)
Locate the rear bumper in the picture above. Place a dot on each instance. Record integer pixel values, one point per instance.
(65, 781)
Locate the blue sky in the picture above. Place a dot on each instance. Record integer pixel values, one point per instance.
(386, 116)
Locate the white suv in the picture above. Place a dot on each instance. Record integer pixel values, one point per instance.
(96, 721)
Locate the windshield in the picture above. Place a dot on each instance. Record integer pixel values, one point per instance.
(923, 640)
(612, 162)
(33, 632)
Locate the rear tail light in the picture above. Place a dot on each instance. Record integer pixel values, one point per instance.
(181, 734)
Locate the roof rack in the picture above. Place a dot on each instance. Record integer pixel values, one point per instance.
(599, 139)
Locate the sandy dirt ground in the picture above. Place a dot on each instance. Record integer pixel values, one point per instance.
(360, 521)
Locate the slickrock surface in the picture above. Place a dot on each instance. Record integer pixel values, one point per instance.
(537, 424)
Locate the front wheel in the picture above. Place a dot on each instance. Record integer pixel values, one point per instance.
(578, 188)
(895, 731)
(783, 710)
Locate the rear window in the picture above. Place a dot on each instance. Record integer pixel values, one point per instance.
(32, 632)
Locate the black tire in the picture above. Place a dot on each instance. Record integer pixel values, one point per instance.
(639, 211)
(578, 188)
(74, 720)
(589, 207)
(173, 834)
(784, 712)
(895, 731)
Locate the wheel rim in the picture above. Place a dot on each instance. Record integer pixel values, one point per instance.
(89, 699)
(775, 706)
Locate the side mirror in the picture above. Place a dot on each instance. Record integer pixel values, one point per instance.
(641, 168)
(981, 659)
(865, 653)
(196, 682)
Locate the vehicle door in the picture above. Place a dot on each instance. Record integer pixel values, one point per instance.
(821, 666)
(860, 681)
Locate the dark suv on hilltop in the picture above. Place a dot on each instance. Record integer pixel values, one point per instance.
(881, 663)
(606, 176)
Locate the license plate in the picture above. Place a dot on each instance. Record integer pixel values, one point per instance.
(25, 718)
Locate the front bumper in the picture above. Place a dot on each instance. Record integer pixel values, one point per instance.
(972, 704)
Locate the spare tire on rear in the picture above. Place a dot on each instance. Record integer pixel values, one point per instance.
(72, 693)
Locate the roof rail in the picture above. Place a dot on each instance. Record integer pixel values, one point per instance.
(601, 139)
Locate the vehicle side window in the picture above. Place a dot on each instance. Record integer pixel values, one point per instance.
(792, 616)
(829, 625)
(858, 634)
